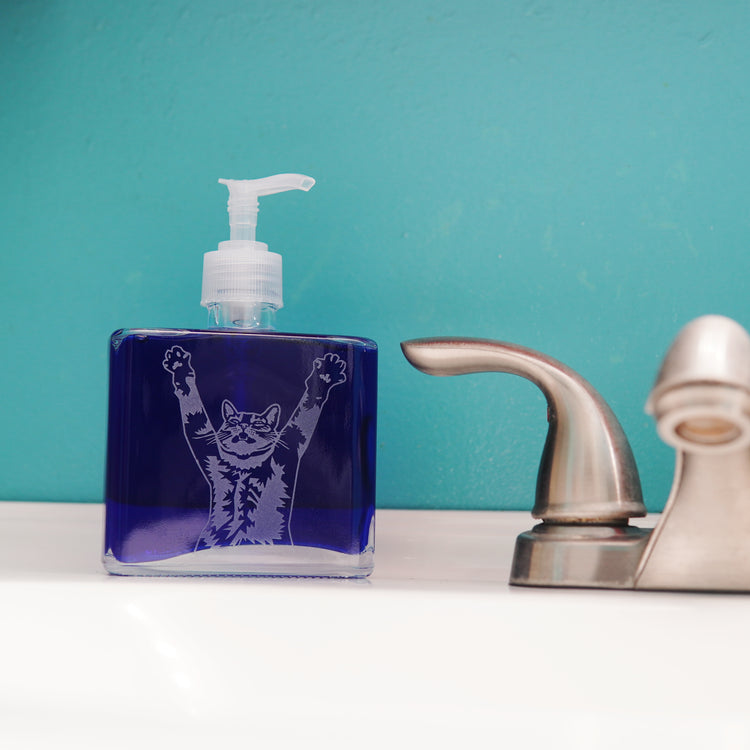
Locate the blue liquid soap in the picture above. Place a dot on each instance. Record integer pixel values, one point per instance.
(240, 450)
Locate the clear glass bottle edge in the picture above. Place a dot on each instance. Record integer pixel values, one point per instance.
(336, 565)
(118, 336)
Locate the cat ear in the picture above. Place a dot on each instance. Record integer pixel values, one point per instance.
(227, 410)
(271, 415)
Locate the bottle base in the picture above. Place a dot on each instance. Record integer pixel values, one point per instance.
(251, 560)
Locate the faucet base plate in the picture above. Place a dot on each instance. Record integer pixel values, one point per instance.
(579, 555)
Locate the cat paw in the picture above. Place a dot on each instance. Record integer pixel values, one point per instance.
(330, 369)
(176, 360)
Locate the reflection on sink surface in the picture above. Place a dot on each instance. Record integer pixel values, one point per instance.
(434, 648)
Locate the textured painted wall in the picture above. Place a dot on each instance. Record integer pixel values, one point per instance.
(571, 176)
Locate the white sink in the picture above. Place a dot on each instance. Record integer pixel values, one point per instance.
(433, 650)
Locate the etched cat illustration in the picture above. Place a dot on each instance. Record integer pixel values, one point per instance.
(249, 463)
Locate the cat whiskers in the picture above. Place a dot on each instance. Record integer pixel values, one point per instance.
(278, 441)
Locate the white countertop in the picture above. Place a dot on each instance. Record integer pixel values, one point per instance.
(434, 650)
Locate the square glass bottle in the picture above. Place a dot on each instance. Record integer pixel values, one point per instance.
(240, 450)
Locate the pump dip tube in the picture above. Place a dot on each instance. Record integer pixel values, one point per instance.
(241, 450)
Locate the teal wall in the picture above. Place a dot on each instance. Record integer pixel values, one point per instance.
(571, 176)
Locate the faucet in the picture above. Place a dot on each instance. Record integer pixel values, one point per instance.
(588, 486)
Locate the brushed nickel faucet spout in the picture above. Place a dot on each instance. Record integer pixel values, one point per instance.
(587, 471)
(587, 486)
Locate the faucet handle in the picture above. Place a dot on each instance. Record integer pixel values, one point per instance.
(701, 397)
(701, 403)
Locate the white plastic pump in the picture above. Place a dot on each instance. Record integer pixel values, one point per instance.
(243, 275)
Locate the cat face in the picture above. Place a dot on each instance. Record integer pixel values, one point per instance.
(245, 434)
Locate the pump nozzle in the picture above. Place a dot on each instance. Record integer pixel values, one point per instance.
(243, 200)
(242, 273)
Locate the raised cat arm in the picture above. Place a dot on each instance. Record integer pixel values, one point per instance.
(177, 362)
(196, 425)
(327, 372)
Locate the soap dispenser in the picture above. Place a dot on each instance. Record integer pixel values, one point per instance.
(241, 450)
